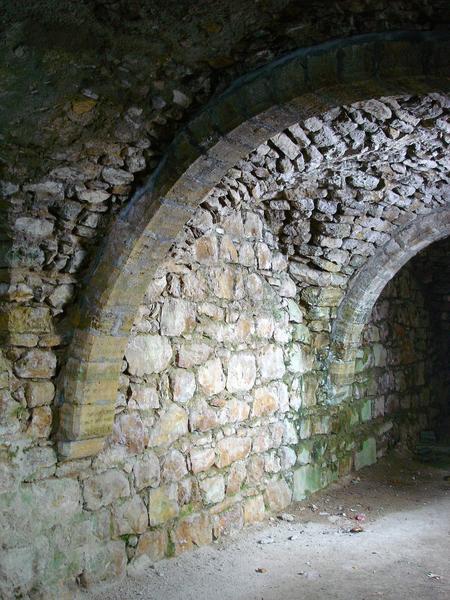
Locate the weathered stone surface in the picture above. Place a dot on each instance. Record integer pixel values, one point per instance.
(129, 431)
(103, 488)
(129, 516)
(148, 354)
(36, 228)
(232, 449)
(236, 478)
(152, 544)
(202, 417)
(177, 317)
(254, 510)
(206, 249)
(146, 471)
(173, 466)
(38, 364)
(308, 208)
(277, 495)
(265, 401)
(163, 504)
(367, 455)
(211, 377)
(183, 385)
(172, 424)
(229, 522)
(271, 362)
(26, 319)
(213, 489)
(241, 372)
(202, 459)
(103, 562)
(193, 354)
(41, 422)
(195, 530)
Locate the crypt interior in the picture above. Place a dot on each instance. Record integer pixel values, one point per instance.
(224, 280)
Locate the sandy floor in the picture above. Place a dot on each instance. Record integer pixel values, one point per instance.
(403, 551)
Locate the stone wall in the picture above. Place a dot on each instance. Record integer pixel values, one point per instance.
(225, 410)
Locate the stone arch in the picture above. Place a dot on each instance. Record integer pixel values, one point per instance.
(366, 286)
(254, 108)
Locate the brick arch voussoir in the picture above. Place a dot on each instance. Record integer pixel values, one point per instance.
(256, 107)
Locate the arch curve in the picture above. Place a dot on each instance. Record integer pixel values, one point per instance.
(366, 286)
(256, 107)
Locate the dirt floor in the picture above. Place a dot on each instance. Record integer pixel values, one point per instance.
(402, 552)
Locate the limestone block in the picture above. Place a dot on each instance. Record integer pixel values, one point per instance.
(143, 397)
(288, 458)
(193, 354)
(129, 516)
(177, 317)
(163, 504)
(236, 478)
(264, 326)
(229, 522)
(262, 441)
(241, 372)
(61, 295)
(367, 455)
(182, 384)
(202, 459)
(228, 252)
(253, 226)
(294, 311)
(173, 466)
(152, 544)
(205, 250)
(307, 480)
(103, 562)
(202, 417)
(36, 364)
(41, 422)
(222, 283)
(116, 176)
(195, 530)
(238, 410)
(264, 256)
(32, 509)
(265, 401)
(103, 488)
(172, 424)
(287, 289)
(271, 362)
(148, 354)
(26, 319)
(129, 431)
(39, 393)
(366, 410)
(213, 489)
(211, 377)
(254, 510)
(255, 288)
(255, 469)
(34, 228)
(277, 495)
(232, 449)
(146, 471)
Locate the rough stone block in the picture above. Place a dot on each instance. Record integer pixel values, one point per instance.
(367, 455)
(232, 449)
(129, 516)
(254, 510)
(195, 530)
(103, 488)
(163, 504)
